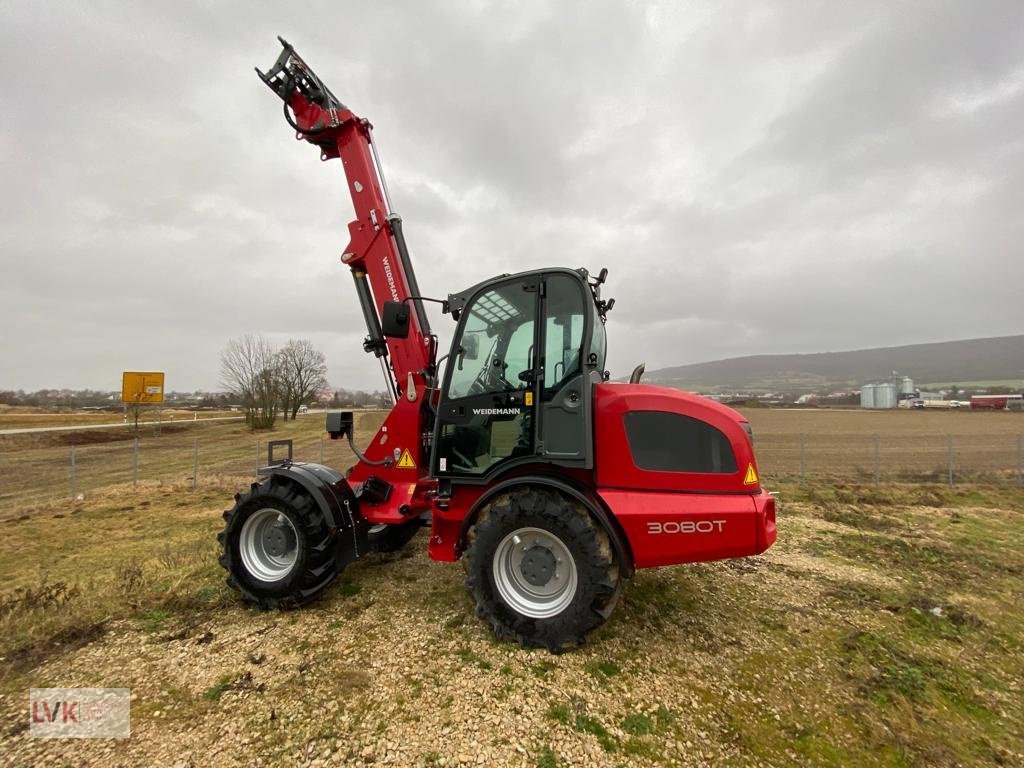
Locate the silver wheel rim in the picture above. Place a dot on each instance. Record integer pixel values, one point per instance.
(268, 545)
(516, 558)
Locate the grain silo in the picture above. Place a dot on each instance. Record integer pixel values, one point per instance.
(885, 395)
(907, 387)
(867, 396)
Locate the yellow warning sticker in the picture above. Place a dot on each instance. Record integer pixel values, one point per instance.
(406, 461)
(749, 479)
(528, 399)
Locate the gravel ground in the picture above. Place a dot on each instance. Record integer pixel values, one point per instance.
(392, 668)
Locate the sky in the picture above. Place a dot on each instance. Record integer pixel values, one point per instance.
(757, 177)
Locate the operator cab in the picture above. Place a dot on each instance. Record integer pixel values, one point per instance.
(519, 381)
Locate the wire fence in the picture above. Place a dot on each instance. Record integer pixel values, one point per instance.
(32, 477)
(939, 459)
(36, 476)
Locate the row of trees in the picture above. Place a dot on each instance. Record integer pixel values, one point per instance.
(267, 380)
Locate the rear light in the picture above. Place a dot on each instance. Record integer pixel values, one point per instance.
(749, 431)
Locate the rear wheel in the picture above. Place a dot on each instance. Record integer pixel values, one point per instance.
(541, 569)
(277, 546)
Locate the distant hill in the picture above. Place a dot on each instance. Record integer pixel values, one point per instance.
(973, 360)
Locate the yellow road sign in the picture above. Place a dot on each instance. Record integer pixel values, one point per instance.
(142, 387)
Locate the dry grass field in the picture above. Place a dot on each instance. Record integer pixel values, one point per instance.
(913, 445)
(35, 468)
(24, 417)
(884, 628)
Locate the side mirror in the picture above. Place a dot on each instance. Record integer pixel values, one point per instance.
(470, 347)
(395, 321)
(602, 276)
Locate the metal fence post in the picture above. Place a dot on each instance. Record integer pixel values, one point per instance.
(878, 461)
(321, 450)
(801, 458)
(257, 467)
(135, 463)
(195, 463)
(1020, 460)
(74, 479)
(950, 437)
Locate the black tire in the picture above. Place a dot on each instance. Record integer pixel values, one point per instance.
(314, 566)
(394, 537)
(597, 575)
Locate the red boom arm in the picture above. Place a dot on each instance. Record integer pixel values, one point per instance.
(382, 271)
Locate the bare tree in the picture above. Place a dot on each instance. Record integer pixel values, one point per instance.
(249, 370)
(303, 371)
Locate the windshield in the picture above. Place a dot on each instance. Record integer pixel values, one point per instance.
(497, 342)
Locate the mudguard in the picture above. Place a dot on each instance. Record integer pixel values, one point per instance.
(334, 497)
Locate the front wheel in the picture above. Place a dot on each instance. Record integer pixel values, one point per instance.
(541, 569)
(277, 546)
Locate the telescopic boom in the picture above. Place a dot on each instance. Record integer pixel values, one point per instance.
(376, 251)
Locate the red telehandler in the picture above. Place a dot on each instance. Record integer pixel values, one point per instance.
(550, 482)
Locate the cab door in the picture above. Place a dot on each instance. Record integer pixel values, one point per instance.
(565, 378)
(485, 417)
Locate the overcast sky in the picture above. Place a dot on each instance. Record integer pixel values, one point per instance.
(757, 177)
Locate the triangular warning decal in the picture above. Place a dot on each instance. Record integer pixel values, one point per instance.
(749, 479)
(406, 461)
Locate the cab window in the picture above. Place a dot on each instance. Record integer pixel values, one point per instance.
(671, 442)
(484, 419)
(563, 330)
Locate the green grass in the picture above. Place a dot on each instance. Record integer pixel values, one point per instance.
(582, 723)
(603, 669)
(546, 759)
(470, 656)
(215, 691)
(638, 724)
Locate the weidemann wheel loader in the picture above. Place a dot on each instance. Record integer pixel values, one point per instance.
(551, 483)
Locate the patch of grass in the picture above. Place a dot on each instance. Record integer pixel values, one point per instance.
(638, 724)
(664, 717)
(635, 747)
(582, 722)
(604, 669)
(586, 724)
(547, 759)
(542, 668)
(828, 495)
(215, 691)
(348, 588)
(154, 619)
(560, 713)
(469, 656)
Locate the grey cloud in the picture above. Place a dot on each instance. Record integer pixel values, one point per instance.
(779, 177)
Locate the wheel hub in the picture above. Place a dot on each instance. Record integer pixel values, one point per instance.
(538, 565)
(268, 545)
(278, 539)
(535, 573)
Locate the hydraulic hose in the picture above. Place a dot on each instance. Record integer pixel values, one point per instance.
(293, 124)
(387, 462)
